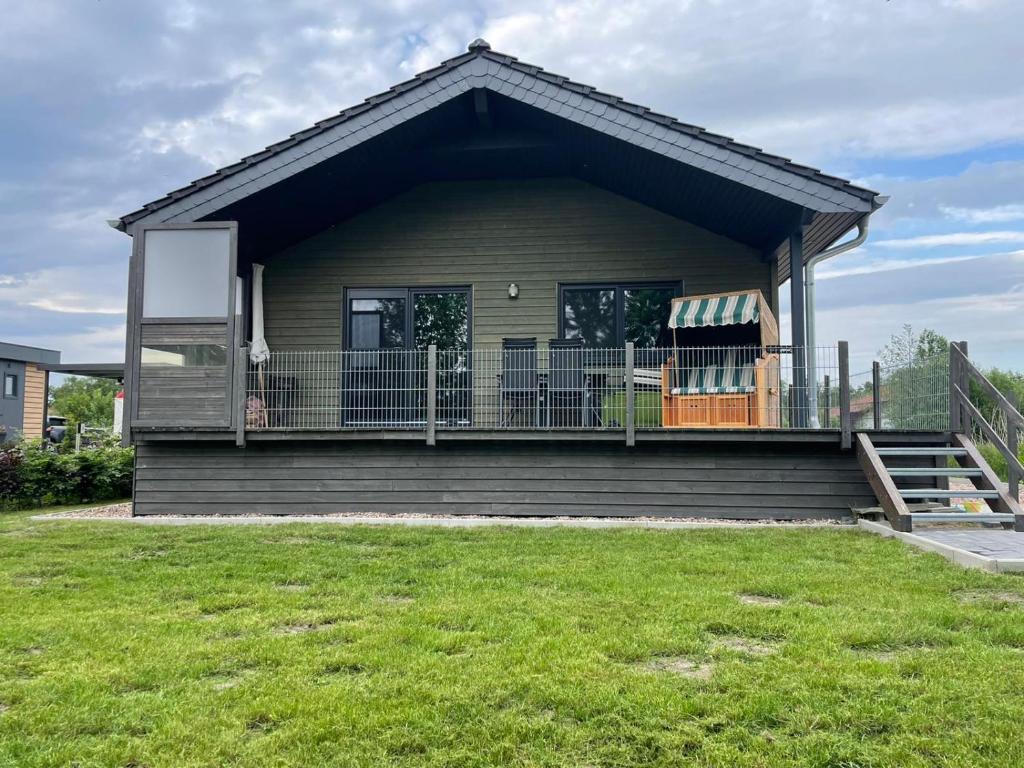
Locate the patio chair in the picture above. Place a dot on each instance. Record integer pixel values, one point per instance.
(518, 381)
(568, 395)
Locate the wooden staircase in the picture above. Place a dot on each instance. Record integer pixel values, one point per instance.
(888, 467)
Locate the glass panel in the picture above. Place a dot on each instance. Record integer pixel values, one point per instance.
(185, 355)
(646, 316)
(377, 323)
(441, 319)
(365, 331)
(589, 314)
(10, 385)
(186, 273)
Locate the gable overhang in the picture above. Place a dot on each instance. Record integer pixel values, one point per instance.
(443, 124)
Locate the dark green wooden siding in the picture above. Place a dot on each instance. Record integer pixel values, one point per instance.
(487, 234)
(753, 481)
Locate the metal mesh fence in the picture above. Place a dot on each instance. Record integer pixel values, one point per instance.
(526, 386)
(907, 396)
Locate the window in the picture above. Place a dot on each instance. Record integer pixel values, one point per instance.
(10, 385)
(186, 273)
(408, 318)
(610, 315)
(185, 355)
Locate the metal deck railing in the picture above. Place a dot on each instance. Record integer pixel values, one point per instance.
(528, 387)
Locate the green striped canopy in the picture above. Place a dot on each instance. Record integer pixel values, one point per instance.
(710, 312)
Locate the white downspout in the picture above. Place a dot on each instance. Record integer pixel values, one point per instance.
(811, 356)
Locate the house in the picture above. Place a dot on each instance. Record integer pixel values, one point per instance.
(25, 385)
(489, 289)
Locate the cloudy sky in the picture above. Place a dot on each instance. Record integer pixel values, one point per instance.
(107, 104)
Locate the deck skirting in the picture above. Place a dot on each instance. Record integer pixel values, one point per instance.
(737, 480)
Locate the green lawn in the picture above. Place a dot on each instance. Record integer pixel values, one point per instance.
(309, 645)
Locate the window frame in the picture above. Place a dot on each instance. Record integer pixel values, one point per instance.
(408, 293)
(620, 287)
(13, 378)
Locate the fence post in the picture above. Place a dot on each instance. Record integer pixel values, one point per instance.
(1013, 476)
(828, 402)
(432, 394)
(954, 399)
(241, 395)
(876, 393)
(964, 380)
(78, 437)
(630, 396)
(845, 416)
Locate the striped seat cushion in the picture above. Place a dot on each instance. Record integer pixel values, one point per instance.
(725, 379)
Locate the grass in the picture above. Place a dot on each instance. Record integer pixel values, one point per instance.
(125, 645)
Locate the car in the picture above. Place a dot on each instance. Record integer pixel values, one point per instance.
(56, 428)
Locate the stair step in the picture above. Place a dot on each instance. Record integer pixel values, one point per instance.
(956, 517)
(940, 493)
(916, 451)
(934, 472)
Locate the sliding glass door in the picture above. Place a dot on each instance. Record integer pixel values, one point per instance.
(389, 330)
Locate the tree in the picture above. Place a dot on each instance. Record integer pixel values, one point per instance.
(909, 348)
(84, 400)
(915, 384)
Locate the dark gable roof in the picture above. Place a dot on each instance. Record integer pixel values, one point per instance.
(582, 104)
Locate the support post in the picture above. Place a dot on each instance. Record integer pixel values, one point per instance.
(954, 396)
(241, 393)
(876, 393)
(1013, 443)
(799, 327)
(964, 382)
(845, 416)
(630, 396)
(827, 421)
(432, 394)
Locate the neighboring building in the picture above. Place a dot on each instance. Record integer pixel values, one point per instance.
(284, 314)
(24, 379)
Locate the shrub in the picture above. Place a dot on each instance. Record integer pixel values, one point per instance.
(32, 474)
(996, 460)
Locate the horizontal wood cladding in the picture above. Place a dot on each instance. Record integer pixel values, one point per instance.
(536, 233)
(35, 401)
(743, 482)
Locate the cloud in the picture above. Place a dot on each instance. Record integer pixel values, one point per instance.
(109, 105)
(993, 215)
(953, 238)
(871, 266)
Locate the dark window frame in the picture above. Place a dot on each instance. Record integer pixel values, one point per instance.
(620, 287)
(408, 293)
(13, 378)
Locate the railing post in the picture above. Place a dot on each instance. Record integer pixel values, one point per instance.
(954, 397)
(1013, 475)
(630, 396)
(876, 393)
(241, 393)
(845, 416)
(964, 381)
(432, 394)
(828, 402)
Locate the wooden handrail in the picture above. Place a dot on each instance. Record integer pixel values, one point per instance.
(991, 435)
(962, 370)
(1013, 416)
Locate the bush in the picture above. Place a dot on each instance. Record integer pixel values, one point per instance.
(32, 474)
(995, 459)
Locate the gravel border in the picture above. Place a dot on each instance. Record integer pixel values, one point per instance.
(122, 513)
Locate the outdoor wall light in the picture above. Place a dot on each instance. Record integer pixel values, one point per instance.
(513, 291)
